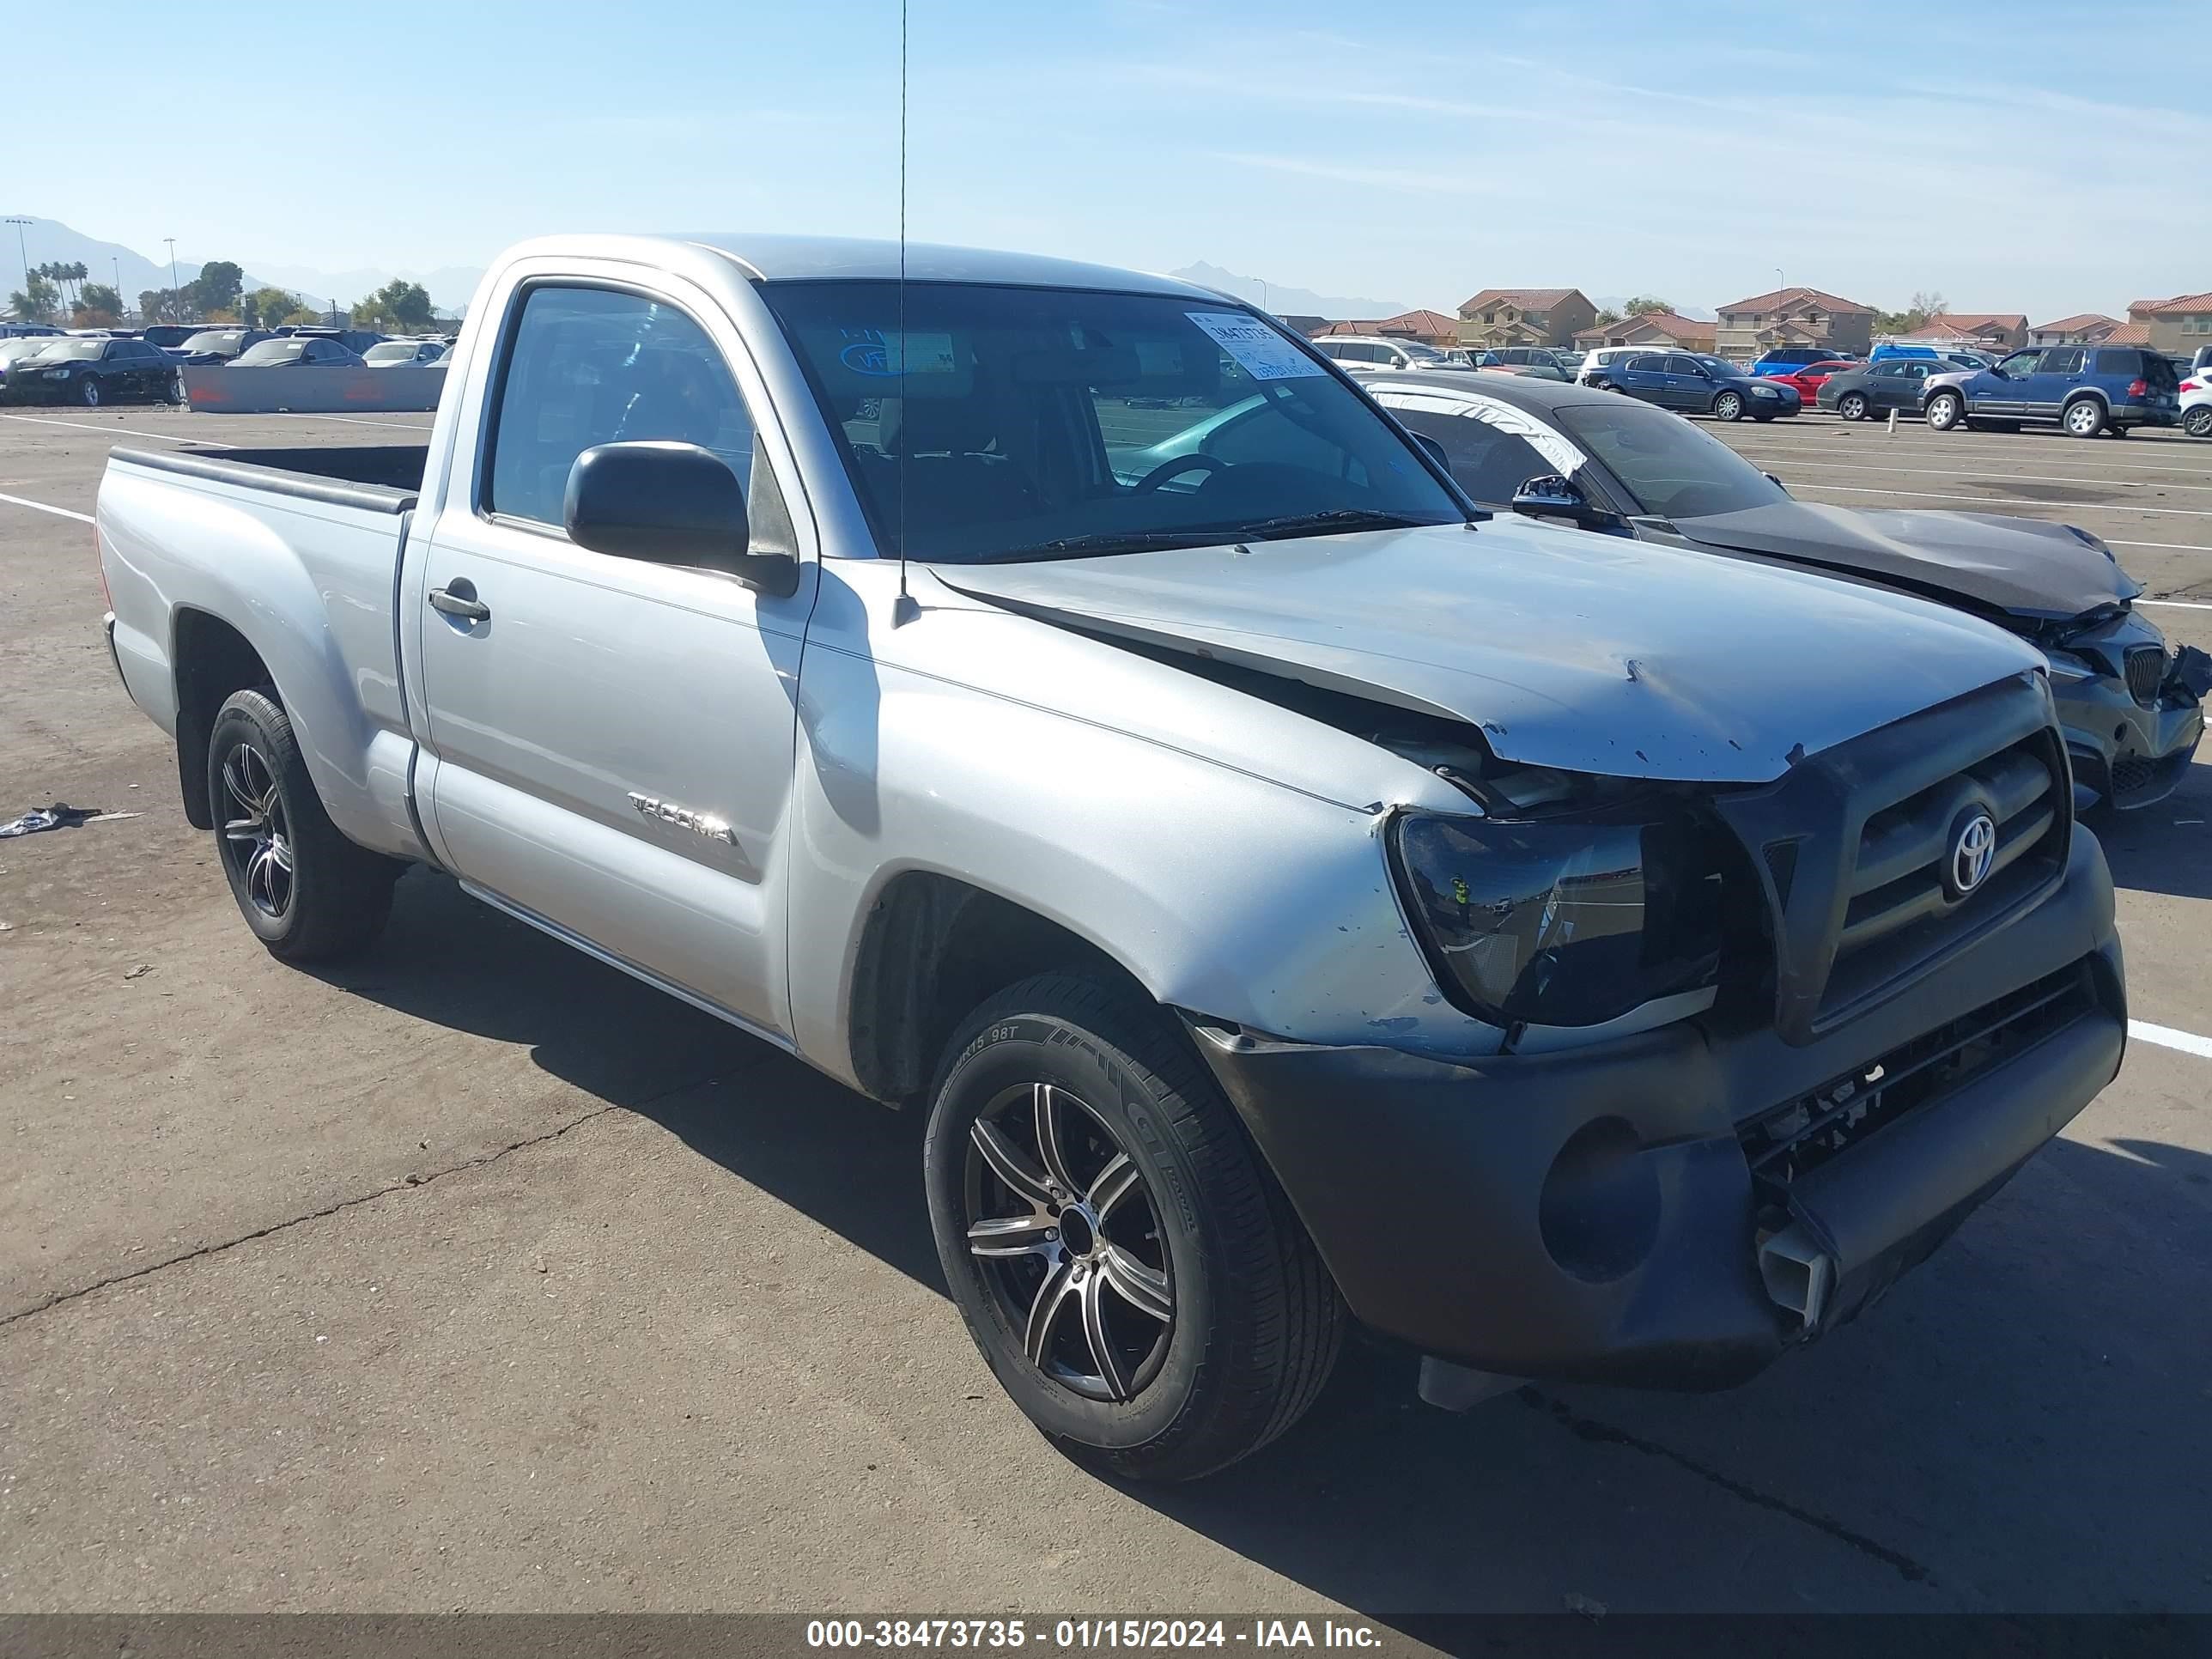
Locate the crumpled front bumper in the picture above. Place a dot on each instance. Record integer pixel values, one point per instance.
(2123, 753)
(1591, 1214)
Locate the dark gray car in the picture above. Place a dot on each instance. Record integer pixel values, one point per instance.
(2132, 708)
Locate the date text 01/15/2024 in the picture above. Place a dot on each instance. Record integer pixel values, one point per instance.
(1083, 1635)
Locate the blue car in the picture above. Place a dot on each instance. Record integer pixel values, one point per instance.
(2084, 389)
(1787, 360)
(1696, 384)
(1956, 356)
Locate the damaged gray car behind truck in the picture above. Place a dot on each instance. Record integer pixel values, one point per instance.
(1294, 897)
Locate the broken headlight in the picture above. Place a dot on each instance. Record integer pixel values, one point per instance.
(1553, 922)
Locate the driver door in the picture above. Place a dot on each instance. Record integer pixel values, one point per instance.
(2010, 395)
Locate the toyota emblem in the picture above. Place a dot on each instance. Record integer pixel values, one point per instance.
(1972, 851)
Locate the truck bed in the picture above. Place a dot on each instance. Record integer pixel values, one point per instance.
(381, 477)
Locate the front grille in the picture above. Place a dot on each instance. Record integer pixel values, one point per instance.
(2133, 772)
(2146, 667)
(1788, 1141)
(1903, 893)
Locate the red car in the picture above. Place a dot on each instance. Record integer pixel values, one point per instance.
(1808, 378)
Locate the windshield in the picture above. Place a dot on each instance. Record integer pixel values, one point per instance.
(62, 351)
(29, 346)
(227, 344)
(1718, 365)
(395, 351)
(1039, 424)
(1423, 354)
(270, 351)
(1675, 470)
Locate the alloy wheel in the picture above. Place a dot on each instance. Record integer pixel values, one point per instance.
(257, 840)
(1728, 406)
(2198, 423)
(1853, 408)
(90, 393)
(1943, 412)
(1064, 1225)
(2084, 418)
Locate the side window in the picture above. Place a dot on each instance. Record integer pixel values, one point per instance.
(1683, 366)
(1646, 365)
(2117, 363)
(2020, 363)
(1489, 465)
(2062, 360)
(592, 365)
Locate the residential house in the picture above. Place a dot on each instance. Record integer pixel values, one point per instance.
(1305, 325)
(1524, 316)
(1652, 328)
(1429, 327)
(1993, 331)
(1794, 317)
(2090, 328)
(2179, 326)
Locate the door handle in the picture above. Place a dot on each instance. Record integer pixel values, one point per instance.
(462, 605)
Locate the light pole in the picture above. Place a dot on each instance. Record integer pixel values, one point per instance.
(176, 299)
(24, 249)
(1780, 278)
(116, 260)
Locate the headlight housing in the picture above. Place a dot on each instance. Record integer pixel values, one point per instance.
(56, 374)
(1559, 922)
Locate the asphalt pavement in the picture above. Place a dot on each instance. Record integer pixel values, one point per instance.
(473, 1274)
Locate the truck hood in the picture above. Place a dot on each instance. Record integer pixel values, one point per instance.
(2023, 566)
(1591, 653)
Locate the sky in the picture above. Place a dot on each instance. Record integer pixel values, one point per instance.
(2013, 154)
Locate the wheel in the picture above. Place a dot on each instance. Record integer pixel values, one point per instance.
(1945, 410)
(1129, 1269)
(2198, 423)
(307, 891)
(1852, 405)
(88, 393)
(1729, 406)
(2084, 417)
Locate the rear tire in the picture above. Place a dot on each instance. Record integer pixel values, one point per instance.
(1945, 410)
(1853, 405)
(307, 892)
(1215, 1323)
(2084, 417)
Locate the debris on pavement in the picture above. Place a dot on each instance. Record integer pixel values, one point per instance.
(59, 816)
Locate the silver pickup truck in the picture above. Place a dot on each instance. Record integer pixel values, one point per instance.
(1295, 898)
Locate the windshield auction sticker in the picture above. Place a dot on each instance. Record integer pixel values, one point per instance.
(1259, 350)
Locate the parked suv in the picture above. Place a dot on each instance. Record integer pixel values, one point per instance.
(2085, 389)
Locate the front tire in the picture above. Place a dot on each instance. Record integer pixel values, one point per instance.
(2198, 423)
(1729, 406)
(1945, 410)
(1852, 405)
(307, 892)
(1129, 1269)
(88, 393)
(2083, 418)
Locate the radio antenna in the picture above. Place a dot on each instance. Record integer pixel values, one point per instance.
(905, 608)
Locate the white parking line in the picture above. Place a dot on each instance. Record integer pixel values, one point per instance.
(2171, 547)
(1953, 471)
(127, 431)
(2166, 1037)
(2009, 501)
(2179, 605)
(357, 419)
(1906, 446)
(41, 507)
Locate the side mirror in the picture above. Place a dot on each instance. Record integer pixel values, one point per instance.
(1552, 495)
(669, 503)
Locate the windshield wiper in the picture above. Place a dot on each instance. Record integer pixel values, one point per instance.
(1340, 518)
(1105, 542)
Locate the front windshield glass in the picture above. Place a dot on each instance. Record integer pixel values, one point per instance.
(270, 351)
(1040, 423)
(396, 351)
(64, 352)
(1673, 469)
(1718, 365)
(1423, 354)
(226, 344)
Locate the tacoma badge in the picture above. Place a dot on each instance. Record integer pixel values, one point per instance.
(683, 818)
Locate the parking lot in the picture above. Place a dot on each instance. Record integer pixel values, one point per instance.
(474, 1275)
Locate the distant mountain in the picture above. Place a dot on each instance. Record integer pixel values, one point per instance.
(49, 240)
(1287, 301)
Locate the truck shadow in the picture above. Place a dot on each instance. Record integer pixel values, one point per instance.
(2022, 1425)
(2166, 848)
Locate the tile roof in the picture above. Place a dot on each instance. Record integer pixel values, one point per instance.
(2183, 302)
(2128, 334)
(1765, 302)
(2075, 324)
(1421, 321)
(1529, 299)
(1973, 319)
(1671, 324)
